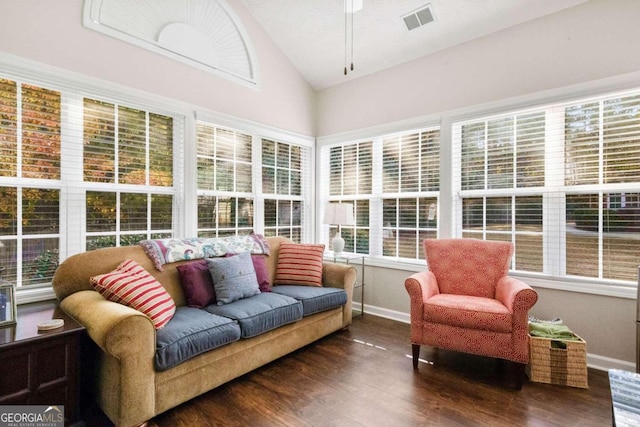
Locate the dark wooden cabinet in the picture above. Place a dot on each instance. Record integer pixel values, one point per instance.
(41, 368)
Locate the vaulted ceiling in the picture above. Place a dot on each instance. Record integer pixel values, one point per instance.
(312, 32)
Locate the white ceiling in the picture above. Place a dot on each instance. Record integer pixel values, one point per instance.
(312, 32)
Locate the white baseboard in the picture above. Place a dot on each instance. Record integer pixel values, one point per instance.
(604, 363)
(595, 361)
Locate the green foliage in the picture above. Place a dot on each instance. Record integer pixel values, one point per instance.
(612, 219)
(42, 267)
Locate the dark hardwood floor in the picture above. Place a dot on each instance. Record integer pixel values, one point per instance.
(363, 376)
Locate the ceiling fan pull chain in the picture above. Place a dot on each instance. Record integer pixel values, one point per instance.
(345, 38)
(352, 32)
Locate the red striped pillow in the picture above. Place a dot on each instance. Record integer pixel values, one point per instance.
(299, 264)
(133, 286)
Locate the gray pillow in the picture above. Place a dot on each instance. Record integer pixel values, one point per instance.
(234, 278)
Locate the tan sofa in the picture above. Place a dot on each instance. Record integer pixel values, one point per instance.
(123, 380)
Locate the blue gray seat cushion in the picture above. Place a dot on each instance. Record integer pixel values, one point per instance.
(192, 331)
(260, 313)
(314, 299)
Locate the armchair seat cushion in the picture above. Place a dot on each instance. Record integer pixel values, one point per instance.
(468, 312)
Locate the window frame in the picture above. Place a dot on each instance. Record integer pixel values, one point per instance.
(554, 193)
(377, 196)
(258, 133)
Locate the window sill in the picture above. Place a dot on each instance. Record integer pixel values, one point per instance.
(26, 296)
(586, 286)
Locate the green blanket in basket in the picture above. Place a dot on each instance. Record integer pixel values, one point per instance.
(552, 331)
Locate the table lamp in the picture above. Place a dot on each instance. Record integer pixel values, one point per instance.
(339, 214)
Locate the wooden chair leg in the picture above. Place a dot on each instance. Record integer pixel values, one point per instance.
(515, 373)
(415, 349)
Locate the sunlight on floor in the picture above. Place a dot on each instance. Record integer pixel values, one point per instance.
(369, 344)
(428, 362)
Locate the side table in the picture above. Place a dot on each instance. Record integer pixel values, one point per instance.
(349, 258)
(41, 368)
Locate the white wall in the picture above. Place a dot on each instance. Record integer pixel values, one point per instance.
(51, 32)
(594, 41)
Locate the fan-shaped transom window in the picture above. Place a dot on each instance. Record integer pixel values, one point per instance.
(202, 33)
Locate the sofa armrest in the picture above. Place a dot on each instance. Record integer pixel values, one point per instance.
(126, 378)
(344, 277)
(107, 322)
(420, 286)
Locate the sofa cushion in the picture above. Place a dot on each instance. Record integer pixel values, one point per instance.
(299, 264)
(190, 332)
(260, 313)
(234, 278)
(197, 284)
(314, 299)
(130, 284)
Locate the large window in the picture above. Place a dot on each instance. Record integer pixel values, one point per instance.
(128, 158)
(282, 185)
(77, 173)
(30, 138)
(602, 180)
(351, 181)
(560, 182)
(225, 185)
(393, 183)
(502, 181)
(410, 184)
(240, 174)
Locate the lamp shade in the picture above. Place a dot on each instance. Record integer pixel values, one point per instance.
(339, 214)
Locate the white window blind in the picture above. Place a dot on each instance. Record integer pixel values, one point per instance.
(30, 139)
(602, 176)
(410, 169)
(560, 182)
(284, 173)
(502, 181)
(128, 159)
(393, 183)
(78, 173)
(225, 188)
(247, 183)
(349, 170)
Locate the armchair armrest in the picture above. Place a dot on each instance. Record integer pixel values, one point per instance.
(516, 295)
(343, 277)
(420, 286)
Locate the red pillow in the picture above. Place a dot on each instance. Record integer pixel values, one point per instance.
(299, 264)
(197, 283)
(131, 285)
(262, 274)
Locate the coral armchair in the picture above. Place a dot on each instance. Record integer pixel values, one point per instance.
(466, 301)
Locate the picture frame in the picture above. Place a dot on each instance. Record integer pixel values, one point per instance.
(7, 304)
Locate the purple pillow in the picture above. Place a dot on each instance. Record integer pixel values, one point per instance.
(262, 274)
(197, 283)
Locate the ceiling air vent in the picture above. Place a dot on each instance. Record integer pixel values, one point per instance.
(418, 18)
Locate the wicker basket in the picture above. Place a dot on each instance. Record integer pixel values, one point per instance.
(561, 366)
